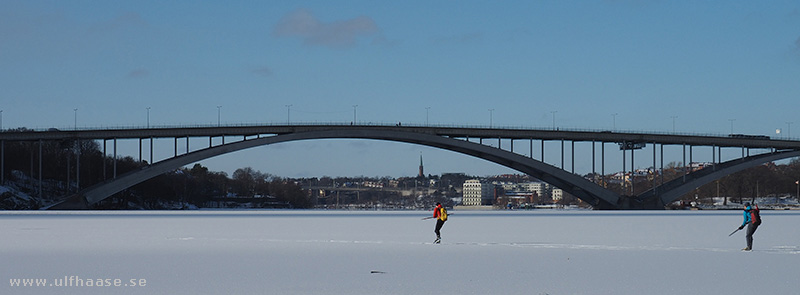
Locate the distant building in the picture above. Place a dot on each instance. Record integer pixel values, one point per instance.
(507, 185)
(558, 194)
(540, 188)
(694, 166)
(477, 193)
(519, 197)
(373, 184)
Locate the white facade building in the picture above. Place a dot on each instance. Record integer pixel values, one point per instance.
(558, 194)
(540, 188)
(477, 192)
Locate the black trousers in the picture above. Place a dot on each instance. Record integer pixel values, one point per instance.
(439, 224)
(751, 229)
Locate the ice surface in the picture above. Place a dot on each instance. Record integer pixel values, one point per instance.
(329, 252)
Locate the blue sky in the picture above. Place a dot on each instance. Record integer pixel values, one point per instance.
(711, 67)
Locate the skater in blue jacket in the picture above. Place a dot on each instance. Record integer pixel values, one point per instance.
(752, 218)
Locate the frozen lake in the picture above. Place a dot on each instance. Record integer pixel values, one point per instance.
(330, 252)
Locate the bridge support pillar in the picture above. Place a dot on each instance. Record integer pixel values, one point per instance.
(74, 202)
(632, 203)
(2, 162)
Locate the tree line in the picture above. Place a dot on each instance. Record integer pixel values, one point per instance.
(760, 181)
(769, 179)
(70, 165)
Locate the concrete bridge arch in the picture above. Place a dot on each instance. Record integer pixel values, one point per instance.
(674, 189)
(570, 183)
(597, 196)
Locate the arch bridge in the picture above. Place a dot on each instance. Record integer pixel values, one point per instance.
(473, 141)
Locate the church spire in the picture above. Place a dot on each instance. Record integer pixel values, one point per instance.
(421, 171)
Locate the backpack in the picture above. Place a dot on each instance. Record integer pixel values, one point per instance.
(755, 215)
(443, 214)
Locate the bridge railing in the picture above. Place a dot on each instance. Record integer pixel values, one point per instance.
(376, 124)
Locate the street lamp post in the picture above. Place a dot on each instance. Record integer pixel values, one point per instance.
(427, 112)
(76, 118)
(614, 121)
(355, 107)
(491, 113)
(148, 117)
(731, 124)
(788, 129)
(554, 119)
(673, 123)
(1, 120)
(288, 113)
(219, 116)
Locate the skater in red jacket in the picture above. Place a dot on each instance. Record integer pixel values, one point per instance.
(440, 213)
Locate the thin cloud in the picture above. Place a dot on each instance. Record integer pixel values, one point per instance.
(383, 42)
(337, 34)
(459, 39)
(794, 14)
(262, 71)
(138, 74)
(797, 45)
(517, 34)
(123, 21)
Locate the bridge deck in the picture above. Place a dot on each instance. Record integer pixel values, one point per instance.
(742, 141)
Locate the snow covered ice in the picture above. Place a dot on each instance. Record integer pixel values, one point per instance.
(374, 252)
